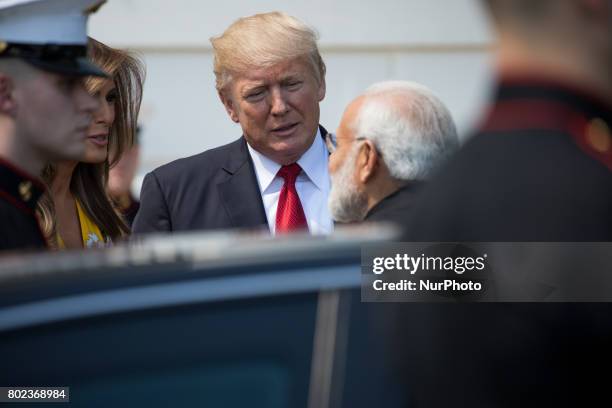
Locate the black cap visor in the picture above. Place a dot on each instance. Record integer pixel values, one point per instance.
(73, 67)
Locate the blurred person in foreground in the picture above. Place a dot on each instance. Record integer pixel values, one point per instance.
(270, 78)
(76, 211)
(389, 140)
(538, 169)
(120, 179)
(44, 106)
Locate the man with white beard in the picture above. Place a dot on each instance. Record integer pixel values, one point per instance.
(389, 140)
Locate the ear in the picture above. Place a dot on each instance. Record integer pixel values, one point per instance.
(7, 100)
(229, 105)
(321, 91)
(367, 161)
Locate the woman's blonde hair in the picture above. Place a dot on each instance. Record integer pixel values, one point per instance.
(264, 40)
(89, 180)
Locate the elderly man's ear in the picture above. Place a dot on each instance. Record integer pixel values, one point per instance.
(229, 105)
(7, 100)
(367, 161)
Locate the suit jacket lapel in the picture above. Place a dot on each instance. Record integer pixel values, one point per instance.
(323, 132)
(240, 193)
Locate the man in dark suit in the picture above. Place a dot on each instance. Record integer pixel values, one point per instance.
(44, 107)
(389, 140)
(270, 78)
(538, 169)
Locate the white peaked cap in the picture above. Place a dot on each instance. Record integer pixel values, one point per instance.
(46, 21)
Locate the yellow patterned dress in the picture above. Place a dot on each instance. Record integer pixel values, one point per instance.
(90, 233)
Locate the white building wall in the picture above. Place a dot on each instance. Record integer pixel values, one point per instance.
(443, 44)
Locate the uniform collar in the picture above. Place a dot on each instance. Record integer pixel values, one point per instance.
(403, 196)
(529, 103)
(18, 187)
(539, 87)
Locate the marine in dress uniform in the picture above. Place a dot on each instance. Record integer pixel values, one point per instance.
(539, 169)
(51, 36)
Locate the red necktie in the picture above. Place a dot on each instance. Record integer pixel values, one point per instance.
(289, 213)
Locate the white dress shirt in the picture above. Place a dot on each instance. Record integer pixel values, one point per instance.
(312, 186)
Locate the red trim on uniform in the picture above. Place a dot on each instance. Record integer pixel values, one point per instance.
(530, 114)
(28, 211)
(8, 197)
(532, 80)
(23, 173)
(17, 203)
(527, 113)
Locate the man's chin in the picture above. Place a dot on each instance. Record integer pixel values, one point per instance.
(289, 154)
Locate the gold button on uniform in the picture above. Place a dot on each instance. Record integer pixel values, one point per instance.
(25, 190)
(598, 136)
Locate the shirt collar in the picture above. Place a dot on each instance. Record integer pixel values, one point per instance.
(314, 163)
(265, 169)
(310, 162)
(21, 188)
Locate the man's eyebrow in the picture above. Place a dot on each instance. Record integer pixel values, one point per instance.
(289, 80)
(252, 86)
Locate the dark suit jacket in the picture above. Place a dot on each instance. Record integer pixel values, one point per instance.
(212, 190)
(216, 189)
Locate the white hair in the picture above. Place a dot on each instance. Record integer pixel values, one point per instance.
(411, 128)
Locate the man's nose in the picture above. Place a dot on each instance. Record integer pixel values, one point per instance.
(279, 105)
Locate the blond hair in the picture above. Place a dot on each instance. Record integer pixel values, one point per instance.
(261, 41)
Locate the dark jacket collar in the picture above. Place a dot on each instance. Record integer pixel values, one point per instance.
(18, 187)
(396, 204)
(530, 103)
(538, 87)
